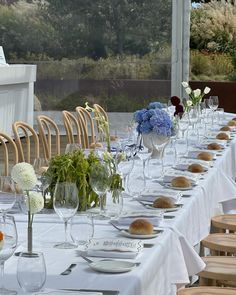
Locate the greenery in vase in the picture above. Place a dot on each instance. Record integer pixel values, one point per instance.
(73, 167)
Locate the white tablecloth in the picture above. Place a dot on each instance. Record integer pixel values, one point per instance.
(163, 267)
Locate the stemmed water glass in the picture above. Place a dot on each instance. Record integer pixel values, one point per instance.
(7, 193)
(65, 203)
(144, 154)
(100, 181)
(8, 243)
(213, 103)
(182, 123)
(125, 164)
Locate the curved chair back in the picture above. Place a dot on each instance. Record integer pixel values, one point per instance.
(20, 130)
(87, 126)
(47, 129)
(9, 147)
(72, 127)
(103, 113)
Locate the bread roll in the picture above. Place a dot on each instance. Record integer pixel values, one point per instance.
(234, 119)
(141, 227)
(232, 123)
(181, 181)
(214, 146)
(205, 156)
(95, 145)
(225, 128)
(163, 202)
(223, 136)
(195, 168)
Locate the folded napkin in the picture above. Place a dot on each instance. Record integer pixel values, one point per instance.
(194, 154)
(170, 174)
(113, 248)
(153, 217)
(151, 196)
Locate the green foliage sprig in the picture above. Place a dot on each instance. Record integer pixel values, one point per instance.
(73, 167)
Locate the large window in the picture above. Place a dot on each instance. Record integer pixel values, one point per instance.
(113, 52)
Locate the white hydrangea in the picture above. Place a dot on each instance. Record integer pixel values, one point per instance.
(24, 175)
(36, 202)
(185, 84)
(197, 93)
(207, 90)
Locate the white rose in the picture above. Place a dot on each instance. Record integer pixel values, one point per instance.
(185, 84)
(24, 175)
(207, 90)
(34, 202)
(188, 90)
(196, 93)
(189, 103)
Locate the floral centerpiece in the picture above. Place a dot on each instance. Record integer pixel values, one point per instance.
(24, 175)
(154, 123)
(195, 96)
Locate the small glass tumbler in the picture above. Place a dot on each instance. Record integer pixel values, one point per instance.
(31, 271)
(82, 228)
(220, 117)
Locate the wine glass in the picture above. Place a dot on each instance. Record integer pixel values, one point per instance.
(100, 181)
(125, 164)
(144, 154)
(8, 243)
(31, 271)
(65, 203)
(7, 193)
(213, 102)
(182, 123)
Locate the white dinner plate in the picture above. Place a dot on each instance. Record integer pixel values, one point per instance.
(175, 208)
(179, 188)
(112, 266)
(127, 234)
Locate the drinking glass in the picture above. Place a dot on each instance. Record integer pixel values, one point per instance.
(31, 271)
(144, 154)
(170, 154)
(7, 193)
(100, 181)
(65, 203)
(125, 164)
(182, 123)
(71, 147)
(40, 166)
(136, 180)
(82, 227)
(213, 102)
(220, 112)
(114, 203)
(8, 243)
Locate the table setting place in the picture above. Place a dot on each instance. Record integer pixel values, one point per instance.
(117, 205)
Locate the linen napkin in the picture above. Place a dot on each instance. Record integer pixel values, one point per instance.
(170, 174)
(153, 217)
(152, 196)
(113, 248)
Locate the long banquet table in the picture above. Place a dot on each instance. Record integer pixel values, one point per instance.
(164, 267)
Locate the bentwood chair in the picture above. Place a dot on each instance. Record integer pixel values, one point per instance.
(48, 129)
(73, 128)
(25, 136)
(87, 126)
(207, 291)
(102, 113)
(9, 148)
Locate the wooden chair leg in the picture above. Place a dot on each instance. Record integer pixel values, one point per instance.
(203, 281)
(202, 250)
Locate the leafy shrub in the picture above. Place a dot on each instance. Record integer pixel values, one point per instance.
(213, 26)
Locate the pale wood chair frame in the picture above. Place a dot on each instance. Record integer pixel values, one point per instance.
(85, 119)
(26, 128)
(45, 126)
(100, 110)
(69, 120)
(207, 290)
(4, 140)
